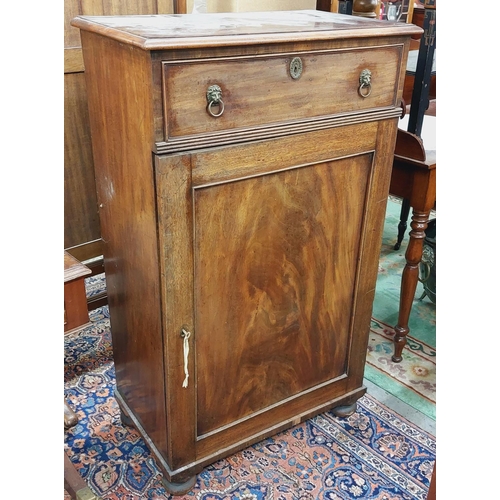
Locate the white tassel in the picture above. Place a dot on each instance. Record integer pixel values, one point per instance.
(186, 354)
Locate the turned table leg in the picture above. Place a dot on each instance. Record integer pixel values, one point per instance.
(403, 222)
(409, 279)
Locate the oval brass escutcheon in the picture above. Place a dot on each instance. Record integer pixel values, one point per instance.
(296, 68)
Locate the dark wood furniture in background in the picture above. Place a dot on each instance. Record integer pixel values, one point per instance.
(82, 232)
(76, 314)
(414, 179)
(242, 187)
(75, 299)
(410, 78)
(367, 6)
(424, 70)
(420, 87)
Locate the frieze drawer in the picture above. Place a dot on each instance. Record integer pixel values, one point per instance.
(260, 91)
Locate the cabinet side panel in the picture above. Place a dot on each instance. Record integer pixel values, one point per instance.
(119, 90)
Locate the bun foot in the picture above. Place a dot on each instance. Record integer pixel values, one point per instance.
(70, 417)
(179, 488)
(126, 420)
(345, 411)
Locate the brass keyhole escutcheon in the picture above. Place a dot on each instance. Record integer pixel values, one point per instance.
(296, 68)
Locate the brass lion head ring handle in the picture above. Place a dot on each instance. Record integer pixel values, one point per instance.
(214, 98)
(365, 83)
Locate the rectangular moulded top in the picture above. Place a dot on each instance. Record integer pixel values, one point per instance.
(174, 31)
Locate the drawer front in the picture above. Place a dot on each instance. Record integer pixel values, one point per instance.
(273, 90)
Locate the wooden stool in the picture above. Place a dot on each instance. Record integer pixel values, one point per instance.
(76, 313)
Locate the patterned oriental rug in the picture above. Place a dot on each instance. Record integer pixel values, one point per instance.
(373, 454)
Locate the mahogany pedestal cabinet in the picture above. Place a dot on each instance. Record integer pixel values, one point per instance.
(243, 164)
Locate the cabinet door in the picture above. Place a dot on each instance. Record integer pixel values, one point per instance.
(270, 253)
